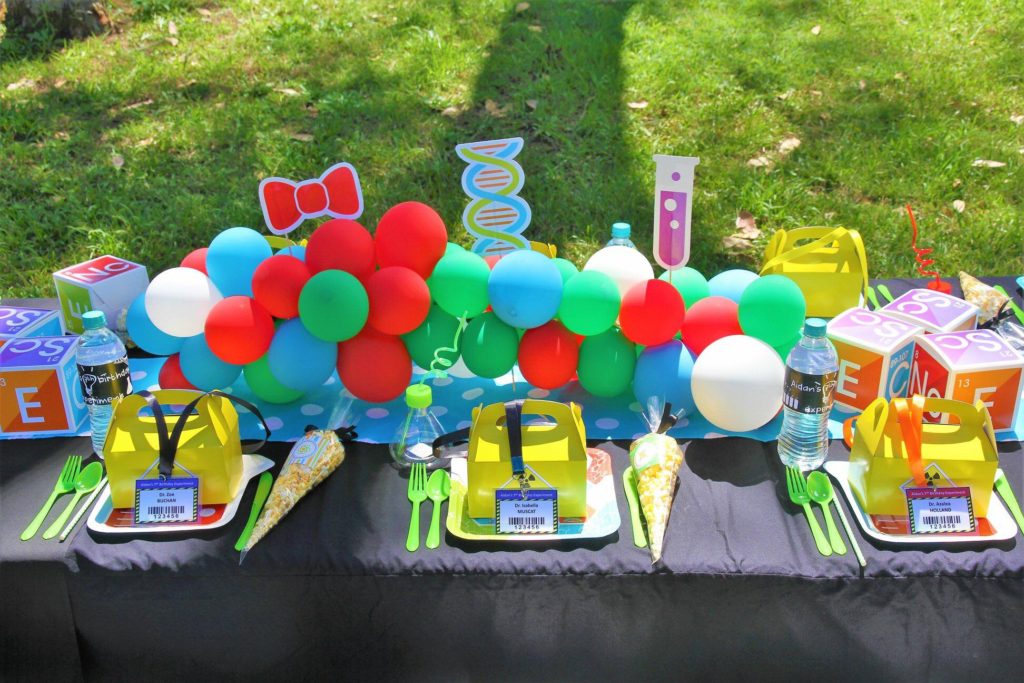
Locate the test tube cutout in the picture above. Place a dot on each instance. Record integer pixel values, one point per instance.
(673, 203)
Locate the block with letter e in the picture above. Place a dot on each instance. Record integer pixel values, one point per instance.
(969, 366)
(21, 321)
(105, 283)
(875, 352)
(39, 390)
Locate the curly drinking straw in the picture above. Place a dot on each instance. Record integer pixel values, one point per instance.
(923, 263)
(438, 368)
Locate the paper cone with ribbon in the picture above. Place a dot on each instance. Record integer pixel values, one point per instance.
(987, 299)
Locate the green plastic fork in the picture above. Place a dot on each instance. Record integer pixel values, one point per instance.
(1017, 311)
(417, 494)
(797, 487)
(65, 484)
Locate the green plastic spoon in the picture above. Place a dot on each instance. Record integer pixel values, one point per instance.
(820, 491)
(87, 480)
(633, 500)
(439, 486)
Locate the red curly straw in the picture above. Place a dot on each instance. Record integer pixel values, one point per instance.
(923, 263)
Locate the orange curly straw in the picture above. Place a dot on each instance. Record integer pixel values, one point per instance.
(922, 263)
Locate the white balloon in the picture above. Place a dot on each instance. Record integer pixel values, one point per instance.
(624, 265)
(178, 300)
(737, 383)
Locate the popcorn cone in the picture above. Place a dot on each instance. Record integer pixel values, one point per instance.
(656, 459)
(311, 460)
(981, 295)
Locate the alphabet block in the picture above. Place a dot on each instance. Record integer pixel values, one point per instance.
(106, 283)
(39, 390)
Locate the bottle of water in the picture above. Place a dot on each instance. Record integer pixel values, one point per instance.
(414, 441)
(809, 388)
(620, 236)
(103, 373)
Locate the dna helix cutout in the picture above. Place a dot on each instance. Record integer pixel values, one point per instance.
(496, 215)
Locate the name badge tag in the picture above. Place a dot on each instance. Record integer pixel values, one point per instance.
(533, 511)
(162, 501)
(940, 510)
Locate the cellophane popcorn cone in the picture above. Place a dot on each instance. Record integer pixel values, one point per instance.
(983, 296)
(656, 459)
(311, 460)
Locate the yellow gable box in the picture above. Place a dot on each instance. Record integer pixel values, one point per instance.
(555, 449)
(893, 450)
(204, 443)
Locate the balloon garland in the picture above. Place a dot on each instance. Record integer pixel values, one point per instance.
(369, 306)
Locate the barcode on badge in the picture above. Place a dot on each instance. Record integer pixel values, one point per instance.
(528, 521)
(935, 520)
(166, 510)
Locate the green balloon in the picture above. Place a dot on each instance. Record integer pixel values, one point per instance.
(590, 303)
(692, 286)
(459, 283)
(265, 386)
(784, 348)
(606, 363)
(452, 246)
(436, 332)
(566, 268)
(772, 309)
(333, 305)
(489, 346)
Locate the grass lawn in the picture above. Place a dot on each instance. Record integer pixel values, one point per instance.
(147, 142)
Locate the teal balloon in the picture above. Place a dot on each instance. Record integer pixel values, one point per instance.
(525, 289)
(566, 268)
(489, 346)
(436, 332)
(663, 372)
(202, 368)
(606, 363)
(233, 257)
(146, 335)
(692, 286)
(731, 283)
(772, 309)
(297, 359)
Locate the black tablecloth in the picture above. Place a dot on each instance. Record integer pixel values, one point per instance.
(742, 593)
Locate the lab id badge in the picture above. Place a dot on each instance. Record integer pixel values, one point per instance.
(940, 510)
(164, 501)
(526, 511)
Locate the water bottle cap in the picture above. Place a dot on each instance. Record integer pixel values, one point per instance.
(620, 230)
(94, 320)
(418, 396)
(815, 327)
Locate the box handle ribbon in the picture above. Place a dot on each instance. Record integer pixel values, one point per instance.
(910, 414)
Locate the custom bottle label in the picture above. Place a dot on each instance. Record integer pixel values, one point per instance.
(810, 394)
(102, 384)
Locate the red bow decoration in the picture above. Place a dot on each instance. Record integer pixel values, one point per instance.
(286, 203)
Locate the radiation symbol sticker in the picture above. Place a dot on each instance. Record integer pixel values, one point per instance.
(933, 476)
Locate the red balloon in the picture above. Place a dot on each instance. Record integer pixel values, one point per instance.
(709, 320)
(171, 377)
(374, 367)
(341, 244)
(196, 260)
(651, 312)
(399, 300)
(548, 355)
(413, 235)
(238, 330)
(277, 283)
(491, 260)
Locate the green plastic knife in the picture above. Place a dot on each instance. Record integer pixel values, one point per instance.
(1003, 487)
(1013, 305)
(873, 298)
(262, 491)
(629, 486)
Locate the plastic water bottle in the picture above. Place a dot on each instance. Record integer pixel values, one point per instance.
(620, 236)
(414, 440)
(809, 389)
(103, 373)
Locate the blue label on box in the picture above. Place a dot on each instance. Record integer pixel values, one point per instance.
(165, 501)
(526, 511)
(941, 509)
(29, 352)
(15, 320)
(899, 371)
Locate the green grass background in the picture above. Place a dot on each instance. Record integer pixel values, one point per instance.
(893, 101)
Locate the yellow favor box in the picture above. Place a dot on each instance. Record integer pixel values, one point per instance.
(961, 454)
(556, 450)
(210, 447)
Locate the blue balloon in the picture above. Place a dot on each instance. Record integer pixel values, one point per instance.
(730, 283)
(204, 370)
(146, 335)
(299, 360)
(525, 289)
(233, 257)
(663, 372)
(295, 250)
